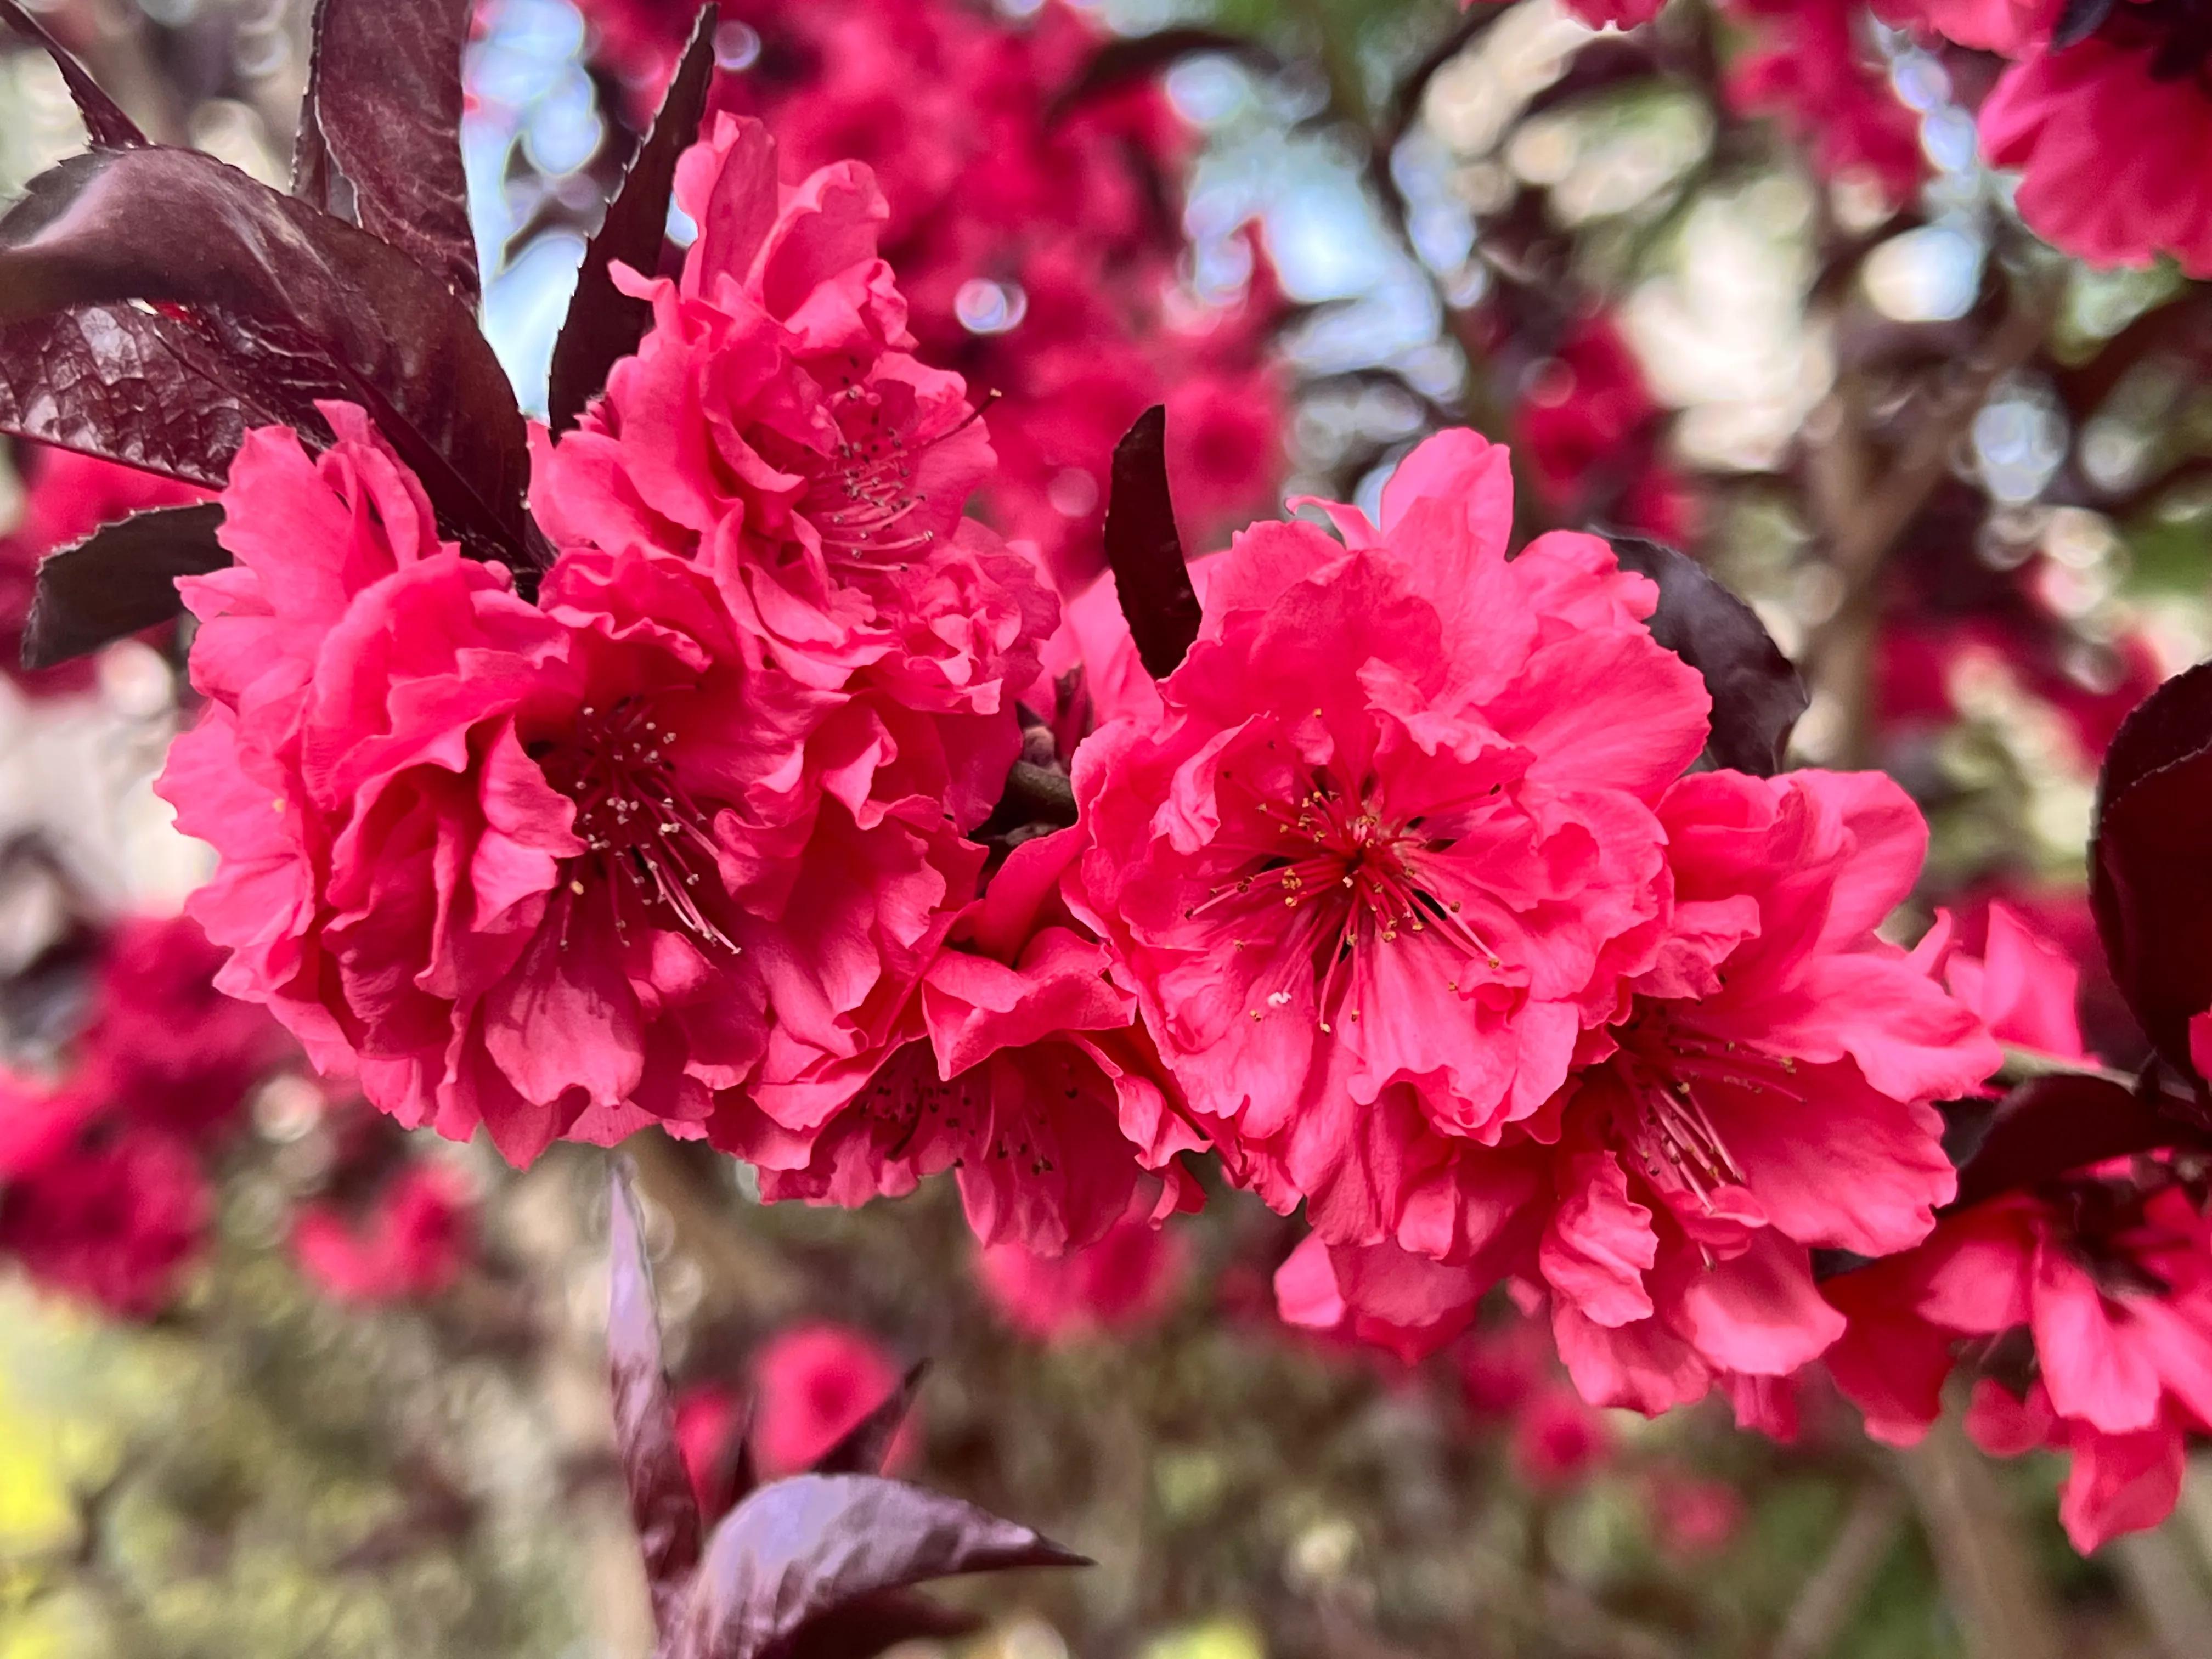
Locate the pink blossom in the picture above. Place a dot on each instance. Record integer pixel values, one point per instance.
(2111, 1281)
(163, 1045)
(711, 1422)
(411, 1239)
(560, 868)
(1769, 1091)
(1558, 1441)
(775, 427)
(1590, 425)
(113, 1221)
(1377, 1294)
(1829, 90)
(2023, 986)
(811, 1385)
(1389, 850)
(1019, 1073)
(1116, 1284)
(1030, 237)
(1692, 1515)
(2109, 138)
(2001, 26)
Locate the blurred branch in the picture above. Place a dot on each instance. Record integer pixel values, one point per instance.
(2002, 1605)
(1825, 1606)
(709, 1222)
(2164, 1582)
(1861, 512)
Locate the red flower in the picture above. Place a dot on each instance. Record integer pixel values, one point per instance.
(411, 1241)
(1030, 236)
(112, 1218)
(164, 1046)
(1114, 1285)
(558, 869)
(1692, 1515)
(2003, 25)
(775, 427)
(1558, 1441)
(1768, 1092)
(1389, 849)
(1828, 90)
(2112, 1282)
(1591, 429)
(2110, 136)
(811, 1385)
(1021, 1075)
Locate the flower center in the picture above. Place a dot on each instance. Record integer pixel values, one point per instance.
(644, 837)
(1670, 1068)
(1355, 880)
(862, 498)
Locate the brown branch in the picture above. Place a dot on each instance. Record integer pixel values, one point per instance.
(2165, 1585)
(1861, 513)
(2003, 1606)
(1832, 1593)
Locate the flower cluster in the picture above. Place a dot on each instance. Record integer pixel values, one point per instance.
(2087, 1300)
(112, 1140)
(1030, 232)
(104, 1189)
(1442, 940)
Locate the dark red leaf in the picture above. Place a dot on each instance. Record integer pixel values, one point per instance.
(384, 97)
(603, 325)
(300, 305)
(1145, 551)
(2049, 1126)
(2150, 881)
(103, 119)
(866, 1446)
(1757, 695)
(315, 178)
(661, 1500)
(732, 1477)
(862, 1629)
(121, 578)
(799, 1550)
(126, 386)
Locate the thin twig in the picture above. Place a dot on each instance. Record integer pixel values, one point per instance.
(1832, 1593)
(2165, 1583)
(2003, 1606)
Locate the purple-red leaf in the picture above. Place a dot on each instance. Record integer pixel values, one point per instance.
(661, 1500)
(103, 119)
(126, 386)
(603, 325)
(121, 578)
(1757, 695)
(2150, 881)
(801, 1549)
(383, 109)
(295, 304)
(2049, 1125)
(865, 1447)
(1145, 551)
(862, 1629)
